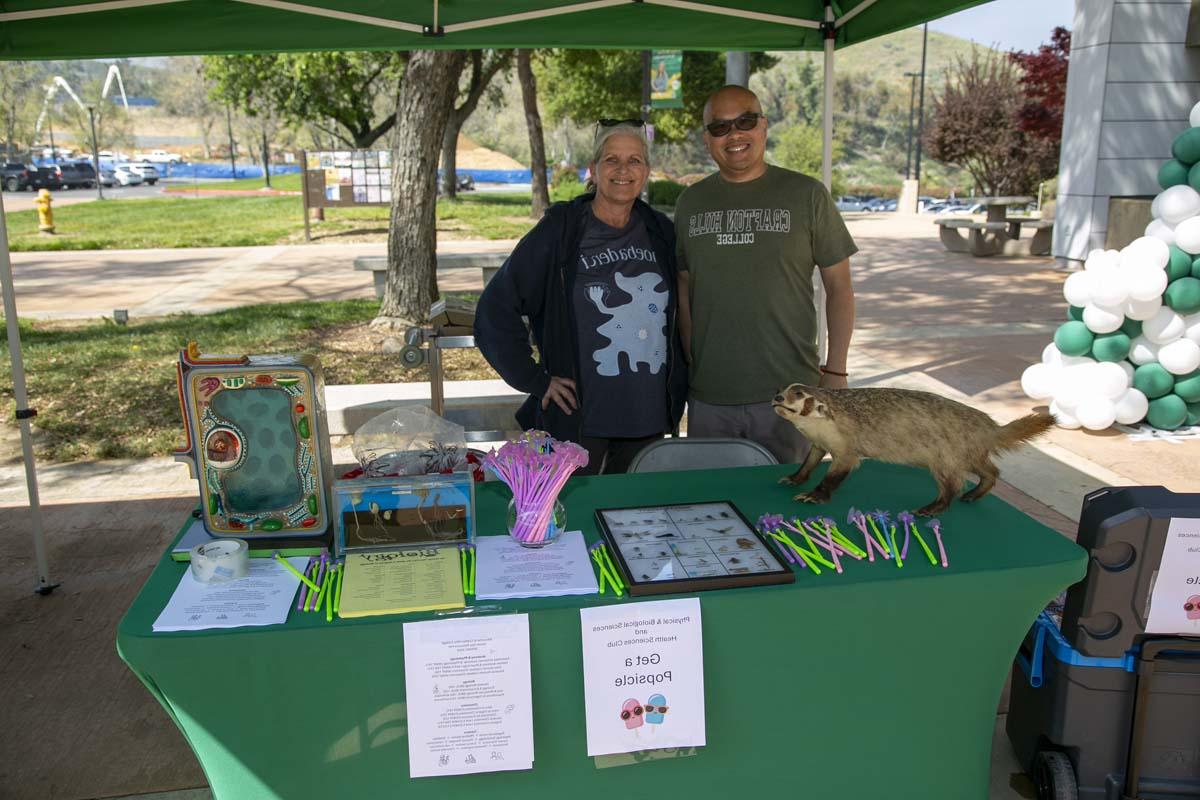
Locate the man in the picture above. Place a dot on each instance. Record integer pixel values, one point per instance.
(748, 239)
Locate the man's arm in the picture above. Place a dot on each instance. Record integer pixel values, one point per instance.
(685, 314)
(839, 316)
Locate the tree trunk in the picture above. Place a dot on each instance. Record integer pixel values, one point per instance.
(450, 158)
(537, 142)
(426, 95)
(266, 159)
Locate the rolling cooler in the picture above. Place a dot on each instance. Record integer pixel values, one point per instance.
(1099, 708)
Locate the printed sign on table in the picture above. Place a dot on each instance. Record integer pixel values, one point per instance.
(643, 676)
(1175, 602)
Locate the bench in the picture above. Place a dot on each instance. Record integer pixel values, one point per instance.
(981, 238)
(489, 263)
(1036, 245)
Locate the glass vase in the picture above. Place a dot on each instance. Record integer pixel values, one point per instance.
(524, 527)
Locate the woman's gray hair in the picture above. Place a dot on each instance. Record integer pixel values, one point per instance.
(603, 134)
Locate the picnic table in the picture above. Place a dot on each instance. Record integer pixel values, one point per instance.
(999, 233)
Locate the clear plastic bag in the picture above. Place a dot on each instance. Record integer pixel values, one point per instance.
(409, 440)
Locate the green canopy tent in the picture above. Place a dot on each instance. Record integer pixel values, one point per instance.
(63, 29)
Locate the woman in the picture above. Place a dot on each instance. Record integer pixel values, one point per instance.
(596, 279)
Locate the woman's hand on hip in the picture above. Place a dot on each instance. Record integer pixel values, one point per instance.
(562, 392)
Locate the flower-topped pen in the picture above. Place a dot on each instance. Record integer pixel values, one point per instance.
(535, 467)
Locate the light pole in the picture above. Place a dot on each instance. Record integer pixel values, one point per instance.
(921, 102)
(95, 152)
(912, 101)
(229, 124)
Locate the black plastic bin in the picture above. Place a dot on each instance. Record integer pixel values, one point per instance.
(1099, 709)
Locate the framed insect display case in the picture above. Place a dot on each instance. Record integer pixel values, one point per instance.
(374, 514)
(688, 548)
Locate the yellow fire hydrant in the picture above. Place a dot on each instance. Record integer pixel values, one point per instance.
(45, 213)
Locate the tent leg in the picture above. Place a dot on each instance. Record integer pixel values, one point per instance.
(826, 171)
(24, 413)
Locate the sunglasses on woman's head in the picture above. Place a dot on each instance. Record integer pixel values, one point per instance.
(608, 123)
(746, 122)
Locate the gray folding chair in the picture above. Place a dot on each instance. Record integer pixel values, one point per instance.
(667, 455)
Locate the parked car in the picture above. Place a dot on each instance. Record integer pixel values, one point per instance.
(48, 176)
(77, 175)
(849, 203)
(160, 157)
(148, 172)
(15, 177)
(124, 175)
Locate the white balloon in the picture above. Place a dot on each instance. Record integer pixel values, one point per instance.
(1180, 357)
(1146, 251)
(1064, 419)
(1161, 230)
(1128, 368)
(1194, 117)
(1096, 413)
(1052, 356)
(1176, 204)
(1132, 407)
(1143, 351)
(1110, 289)
(1187, 235)
(1077, 361)
(1079, 286)
(1146, 283)
(1191, 324)
(1037, 381)
(1165, 326)
(1110, 380)
(1102, 320)
(1095, 259)
(1142, 310)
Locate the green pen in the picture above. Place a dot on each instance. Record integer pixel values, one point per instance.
(296, 572)
(329, 596)
(462, 568)
(472, 551)
(925, 547)
(896, 550)
(808, 559)
(604, 573)
(611, 566)
(811, 553)
(337, 596)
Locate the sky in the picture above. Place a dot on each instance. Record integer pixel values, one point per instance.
(1009, 24)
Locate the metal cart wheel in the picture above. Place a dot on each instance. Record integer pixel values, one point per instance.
(1054, 776)
(412, 356)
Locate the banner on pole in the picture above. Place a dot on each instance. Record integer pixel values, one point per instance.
(666, 79)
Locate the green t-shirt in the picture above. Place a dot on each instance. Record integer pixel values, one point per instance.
(749, 249)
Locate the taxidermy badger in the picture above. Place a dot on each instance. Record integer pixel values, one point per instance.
(902, 427)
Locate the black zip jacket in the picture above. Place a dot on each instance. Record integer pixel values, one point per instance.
(537, 282)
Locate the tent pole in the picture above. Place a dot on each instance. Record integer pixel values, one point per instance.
(828, 32)
(24, 413)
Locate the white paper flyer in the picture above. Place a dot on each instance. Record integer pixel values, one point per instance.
(1175, 603)
(643, 676)
(469, 701)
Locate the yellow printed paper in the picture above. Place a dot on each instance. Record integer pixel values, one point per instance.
(401, 582)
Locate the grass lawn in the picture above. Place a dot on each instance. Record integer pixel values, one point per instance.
(244, 221)
(108, 391)
(283, 183)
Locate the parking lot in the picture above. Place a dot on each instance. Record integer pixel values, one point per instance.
(23, 201)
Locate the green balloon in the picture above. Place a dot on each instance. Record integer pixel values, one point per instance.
(1152, 380)
(1172, 173)
(1196, 268)
(1111, 347)
(1180, 265)
(1188, 387)
(1193, 414)
(1073, 338)
(1186, 147)
(1167, 413)
(1133, 327)
(1193, 178)
(1183, 295)
(1076, 312)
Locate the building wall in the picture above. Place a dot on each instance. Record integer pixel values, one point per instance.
(1131, 83)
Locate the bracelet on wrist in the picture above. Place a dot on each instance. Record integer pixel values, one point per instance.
(828, 371)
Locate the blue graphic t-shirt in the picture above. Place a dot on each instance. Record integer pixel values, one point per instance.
(621, 310)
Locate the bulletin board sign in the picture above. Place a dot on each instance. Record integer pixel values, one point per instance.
(346, 178)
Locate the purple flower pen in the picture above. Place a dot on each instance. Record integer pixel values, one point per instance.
(320, 578)
(535, 467)
(937, 531)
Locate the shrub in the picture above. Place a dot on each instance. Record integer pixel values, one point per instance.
(564, 176)
(665, 193)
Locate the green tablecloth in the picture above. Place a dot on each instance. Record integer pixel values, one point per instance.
(881, 682)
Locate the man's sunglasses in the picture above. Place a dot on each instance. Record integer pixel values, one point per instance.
(609, 123)
(746, 122)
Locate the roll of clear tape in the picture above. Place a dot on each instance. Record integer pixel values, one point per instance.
(221, 560)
